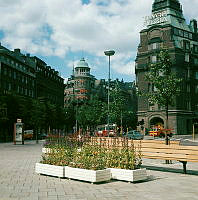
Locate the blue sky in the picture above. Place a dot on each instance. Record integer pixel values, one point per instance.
(62, 31)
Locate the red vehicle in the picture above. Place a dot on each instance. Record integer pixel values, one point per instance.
(103, 131)
(160, 132)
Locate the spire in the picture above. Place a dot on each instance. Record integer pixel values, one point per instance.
(161, 4)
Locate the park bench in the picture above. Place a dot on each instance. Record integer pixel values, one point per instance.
(173, 151)
(156, 149)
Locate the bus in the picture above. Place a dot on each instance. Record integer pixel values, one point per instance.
(103, 131)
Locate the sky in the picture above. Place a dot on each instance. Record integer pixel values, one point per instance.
(61, 32)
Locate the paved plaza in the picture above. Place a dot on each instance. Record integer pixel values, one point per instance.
(18, 181)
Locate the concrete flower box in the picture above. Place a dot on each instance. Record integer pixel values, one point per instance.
(51, 170)
(92, 176)
(46, 150)
(129, 175)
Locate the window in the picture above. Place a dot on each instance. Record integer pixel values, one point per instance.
(5, 71)
(187, 57)
(181, 33)
(190, 36)
(195, 48)
(186, 45)
(188, 105)
(176, 31)
(186, 34)
(188, 73)
(196, 89)
(153, 46)
(9, 86)
(153, 59)
(196, 75)
(196, 61)
(188, 87)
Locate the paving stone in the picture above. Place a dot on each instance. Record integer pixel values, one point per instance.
(22, 183)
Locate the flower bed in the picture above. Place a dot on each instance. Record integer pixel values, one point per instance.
(93, 161)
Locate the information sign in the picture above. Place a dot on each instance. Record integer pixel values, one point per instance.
(156, 18)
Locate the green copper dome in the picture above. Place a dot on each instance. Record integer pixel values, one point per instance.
(82, 63)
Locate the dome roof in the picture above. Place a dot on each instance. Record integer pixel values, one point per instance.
(82, 63)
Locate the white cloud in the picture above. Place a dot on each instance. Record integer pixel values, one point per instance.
(50, 27)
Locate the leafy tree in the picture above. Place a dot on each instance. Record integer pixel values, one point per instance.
(165, 83)
(92, 113)
(120, 113)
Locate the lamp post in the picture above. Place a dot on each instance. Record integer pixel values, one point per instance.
(109, 53)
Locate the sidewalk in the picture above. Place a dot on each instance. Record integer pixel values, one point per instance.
(18, 181)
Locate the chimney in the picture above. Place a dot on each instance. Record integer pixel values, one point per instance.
(193, 24)
(17, 51)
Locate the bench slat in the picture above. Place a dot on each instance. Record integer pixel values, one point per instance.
(173, 156)
(170, 150)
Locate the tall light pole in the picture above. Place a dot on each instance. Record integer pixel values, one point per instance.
(109, 53)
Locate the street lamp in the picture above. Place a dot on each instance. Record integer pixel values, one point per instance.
(109, 53)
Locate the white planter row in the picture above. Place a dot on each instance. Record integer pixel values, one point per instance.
(91, 175)
(51, 170)
(129, 175)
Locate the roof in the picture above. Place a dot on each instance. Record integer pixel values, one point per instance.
(82, 63)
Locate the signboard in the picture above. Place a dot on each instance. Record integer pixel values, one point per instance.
(19, 120)
(156, 18)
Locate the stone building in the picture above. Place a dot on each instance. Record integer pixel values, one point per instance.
(49, 85)
(166, 28)
(29, 77)
(80, 85)
(17, 73)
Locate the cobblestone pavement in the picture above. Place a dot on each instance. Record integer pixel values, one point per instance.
(18, 181)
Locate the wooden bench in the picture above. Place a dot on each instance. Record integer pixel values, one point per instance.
(155, 149)
(174, 151)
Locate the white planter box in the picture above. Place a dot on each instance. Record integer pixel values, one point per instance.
(46, 150)
(51, 170)
(92, 176)
(128, 175)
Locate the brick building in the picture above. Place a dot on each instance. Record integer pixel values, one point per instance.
(167, 28)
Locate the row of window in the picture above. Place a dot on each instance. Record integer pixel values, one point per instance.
(17, 65)
(17, 76)
(20, 90)
(183, 33)
(154, 107)
(154, 59)
(49, 74)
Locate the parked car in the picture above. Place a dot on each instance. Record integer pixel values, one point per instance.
(135, 135)
(42, 136)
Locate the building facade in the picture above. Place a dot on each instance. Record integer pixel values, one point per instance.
(30, 77)
(80, 85)
(167, 29)
(49, 85)
(17, 73)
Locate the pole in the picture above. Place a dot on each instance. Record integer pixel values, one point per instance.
(108, 97)
(193, 132)
(109, 53)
